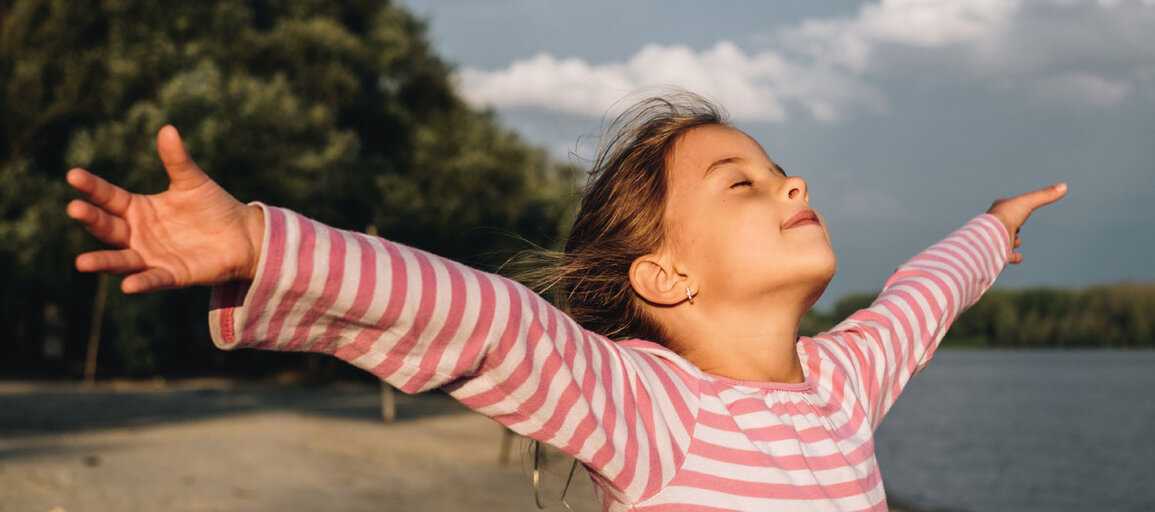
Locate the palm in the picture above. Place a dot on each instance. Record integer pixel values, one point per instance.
(193, 233)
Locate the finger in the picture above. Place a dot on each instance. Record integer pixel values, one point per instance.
(108, 228)
(181, 169)
(1015, 258)
(1018, 242)
(1043, 196)
(123, 261)
(151, 280)
(99, 191)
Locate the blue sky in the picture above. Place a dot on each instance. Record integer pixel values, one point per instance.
(906, 117)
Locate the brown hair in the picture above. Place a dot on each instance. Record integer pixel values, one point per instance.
(622, 217)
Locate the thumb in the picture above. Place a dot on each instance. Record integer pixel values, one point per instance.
(181, 169)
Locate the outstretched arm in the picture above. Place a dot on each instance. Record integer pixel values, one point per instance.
(883, 346)
(191, 234)
(419, 321)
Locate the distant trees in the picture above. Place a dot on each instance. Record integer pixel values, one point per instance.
(1113, 316)
(1117, 316)
(339, 110)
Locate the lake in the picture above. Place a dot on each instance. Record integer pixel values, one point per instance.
(1024, 431)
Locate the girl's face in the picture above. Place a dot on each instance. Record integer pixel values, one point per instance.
(739, 226)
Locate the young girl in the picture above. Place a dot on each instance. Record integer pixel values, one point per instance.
(674, 372)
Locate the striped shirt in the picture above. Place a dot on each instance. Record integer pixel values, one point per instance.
(656, 432)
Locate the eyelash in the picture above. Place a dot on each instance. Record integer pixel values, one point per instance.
(743, 183)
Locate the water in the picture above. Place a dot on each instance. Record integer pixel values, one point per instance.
(1024, 431)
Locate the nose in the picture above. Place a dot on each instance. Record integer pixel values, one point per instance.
(795, 188)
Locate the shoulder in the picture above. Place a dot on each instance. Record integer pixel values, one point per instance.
(831, 357)
(662, 368)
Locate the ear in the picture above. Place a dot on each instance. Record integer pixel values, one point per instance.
(657, 281)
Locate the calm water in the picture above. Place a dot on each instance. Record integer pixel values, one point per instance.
(1024, 431)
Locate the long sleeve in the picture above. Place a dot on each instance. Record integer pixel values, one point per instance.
(881, 347)
(419, 322)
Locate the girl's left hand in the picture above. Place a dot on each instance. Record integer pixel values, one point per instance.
(1014, 211)
(194, 233)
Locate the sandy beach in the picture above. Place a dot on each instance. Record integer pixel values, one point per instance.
(215, 445)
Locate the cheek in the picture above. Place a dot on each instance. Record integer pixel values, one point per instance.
(692, 230)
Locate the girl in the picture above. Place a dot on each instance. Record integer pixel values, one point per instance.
(673, 371)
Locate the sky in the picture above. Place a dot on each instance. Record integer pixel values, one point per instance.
(906, 117)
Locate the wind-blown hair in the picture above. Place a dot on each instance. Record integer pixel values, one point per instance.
(622, 217)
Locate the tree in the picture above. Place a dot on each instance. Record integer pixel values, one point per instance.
(339, 110)
(1111, 316)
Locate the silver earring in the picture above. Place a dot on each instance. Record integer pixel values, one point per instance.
(689, 295)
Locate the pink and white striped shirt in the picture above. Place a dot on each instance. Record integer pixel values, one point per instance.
(656, 432)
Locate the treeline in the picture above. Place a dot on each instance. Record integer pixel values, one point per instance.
(339, 110)
(1111, 316)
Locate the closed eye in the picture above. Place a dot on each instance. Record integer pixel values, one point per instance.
(743, 183)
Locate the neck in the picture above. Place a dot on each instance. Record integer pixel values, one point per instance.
(748, 341)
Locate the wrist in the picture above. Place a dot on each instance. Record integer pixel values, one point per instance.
(255, 230)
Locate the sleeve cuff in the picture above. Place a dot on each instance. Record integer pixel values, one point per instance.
(1001, 237)
(230, 300)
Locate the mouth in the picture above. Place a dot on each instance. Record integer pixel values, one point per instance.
(803, 218)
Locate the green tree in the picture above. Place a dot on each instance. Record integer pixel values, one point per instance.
(339, 110)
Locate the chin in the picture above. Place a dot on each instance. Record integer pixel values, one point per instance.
(830, 268)
(823, 272)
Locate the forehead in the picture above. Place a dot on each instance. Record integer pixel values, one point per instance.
(701, 147)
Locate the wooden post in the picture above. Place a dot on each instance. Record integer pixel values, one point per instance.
(388, 394)
(94, 331)
(507, 436)
(388, 403)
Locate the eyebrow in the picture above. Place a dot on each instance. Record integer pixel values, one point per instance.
(719, 163)
(737, 160)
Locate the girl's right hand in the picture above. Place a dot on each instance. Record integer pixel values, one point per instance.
(194, 233)
(1013, 212)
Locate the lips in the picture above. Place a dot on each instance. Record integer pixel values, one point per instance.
(802, 218)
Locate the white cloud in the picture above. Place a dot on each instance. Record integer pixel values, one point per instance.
(761, 86)
(563, 84)
(724, 72)
(1083, 52)
(1086, 52)
(926, 24)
